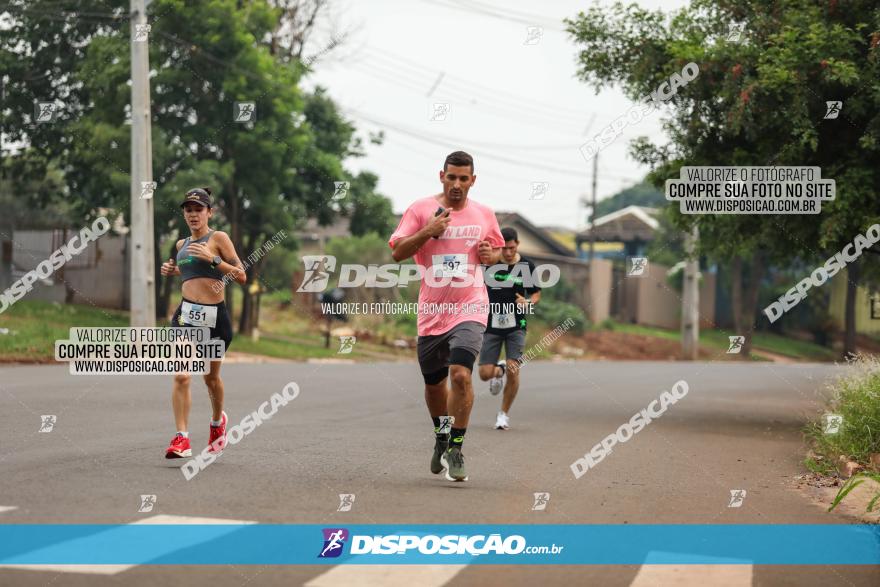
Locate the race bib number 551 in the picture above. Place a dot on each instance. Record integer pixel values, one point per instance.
(198, 315)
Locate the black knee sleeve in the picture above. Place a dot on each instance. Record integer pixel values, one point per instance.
(463, 357)
(436, 377)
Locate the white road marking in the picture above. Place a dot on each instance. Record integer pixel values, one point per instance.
(718, 572)
(386, 576)
(694, 576)
(82, 569)
(115, 569)
(7, 508)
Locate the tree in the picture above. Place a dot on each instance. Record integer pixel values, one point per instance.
(642, 194)
(295, 28)
(757, 101)
(369, 211)
(268, 174)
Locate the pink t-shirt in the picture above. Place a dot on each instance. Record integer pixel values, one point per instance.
(451, 258)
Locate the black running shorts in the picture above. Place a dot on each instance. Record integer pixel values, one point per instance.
(223, 328)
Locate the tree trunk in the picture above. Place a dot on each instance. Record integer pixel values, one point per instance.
(246, 322)
(690, 299)
(164, 296)
(69, 292)
(235, 227)
(852, 284)
(736, 295)
(750, 306)
(255, 304)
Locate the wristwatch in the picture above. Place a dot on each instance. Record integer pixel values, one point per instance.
(216, 261)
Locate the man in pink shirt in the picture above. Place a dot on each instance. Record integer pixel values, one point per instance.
(450, 236)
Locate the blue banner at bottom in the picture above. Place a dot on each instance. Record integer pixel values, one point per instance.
(273, 544)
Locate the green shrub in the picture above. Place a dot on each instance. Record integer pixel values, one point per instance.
(856, 398)
(553, 313)
(606, 324)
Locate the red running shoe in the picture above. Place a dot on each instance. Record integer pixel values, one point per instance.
(217, 437)
(179, 448)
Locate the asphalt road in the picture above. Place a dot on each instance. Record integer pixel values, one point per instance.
(363, 429)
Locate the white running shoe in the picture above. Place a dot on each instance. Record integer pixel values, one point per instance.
(496, 384)
(502, 422)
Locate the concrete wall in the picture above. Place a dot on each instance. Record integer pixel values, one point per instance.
(649, 300)
(97, 276)
(657, 304)
(574, 271)
(708, 289)
(601, 290)
(592, 285)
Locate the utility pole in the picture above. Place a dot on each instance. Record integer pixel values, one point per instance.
(142, 266)
(690, 299)
(593, 206)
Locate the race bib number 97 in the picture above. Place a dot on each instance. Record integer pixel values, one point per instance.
(453, 265)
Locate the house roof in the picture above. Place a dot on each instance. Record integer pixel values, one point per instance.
(313, 231)
(555, 247)
(624, 225)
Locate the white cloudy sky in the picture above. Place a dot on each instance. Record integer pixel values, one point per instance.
(516, 107)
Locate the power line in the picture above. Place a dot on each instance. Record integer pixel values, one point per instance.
(66, 14)
(391, 78)
(476, 8)
(477, 88)
(529, 17)
(520, 111)
(484, 145)
(517, 180)
(519, 162)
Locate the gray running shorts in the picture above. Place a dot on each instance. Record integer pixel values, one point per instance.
(514, 343)
(434, 350)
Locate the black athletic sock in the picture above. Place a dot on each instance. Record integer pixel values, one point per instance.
(445, 435)
(456, 437)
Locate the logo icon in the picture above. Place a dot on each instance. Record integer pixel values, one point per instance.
(245, 112)
(735, 32)
(147, 189)
(147, 503)
(141, 32)
(45, 111)
(637, 266)
(541, 500)
(446, 423)
(47, 423)
(334, 540)
(831, 423)
(318, 270)
(341, 188)
(736, 344)
(439, 112)
(540, 189)
(832, 109)
(346, 501)
(737, 496)
(533, 35)
(346, 344)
